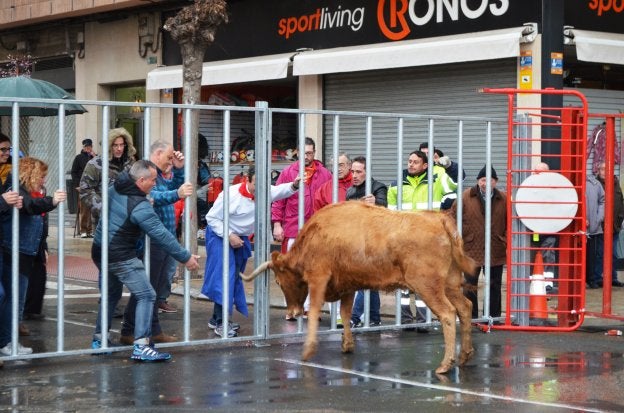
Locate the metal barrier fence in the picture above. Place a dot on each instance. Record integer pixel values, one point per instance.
(263, 121)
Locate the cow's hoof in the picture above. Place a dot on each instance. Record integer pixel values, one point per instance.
(348, 346)
(309, 349)
(444, 368)
(465, 356)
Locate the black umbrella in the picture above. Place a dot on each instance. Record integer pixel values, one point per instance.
(27, 87)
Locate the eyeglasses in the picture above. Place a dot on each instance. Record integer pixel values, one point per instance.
(5, 150)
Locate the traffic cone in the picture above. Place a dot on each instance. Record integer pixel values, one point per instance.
(538, 303)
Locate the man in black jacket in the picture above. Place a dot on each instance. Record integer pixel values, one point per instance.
(377, 196)
(80, 161)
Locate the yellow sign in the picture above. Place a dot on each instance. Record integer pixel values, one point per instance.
(526, 70)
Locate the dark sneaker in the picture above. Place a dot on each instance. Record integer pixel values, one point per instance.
(230, 332)
(213, 324)
(355, 324)
(143, 352)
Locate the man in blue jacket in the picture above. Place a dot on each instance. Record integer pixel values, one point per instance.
(169, 188)
(130, 216)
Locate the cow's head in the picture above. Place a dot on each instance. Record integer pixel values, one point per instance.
(294, 288)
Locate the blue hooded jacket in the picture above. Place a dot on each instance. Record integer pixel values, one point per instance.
(130, 216)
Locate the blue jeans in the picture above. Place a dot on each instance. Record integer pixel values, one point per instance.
(161, 267)
(2, 294)
(131, 273)
(357, 314)
(6, 304)
(115, 290)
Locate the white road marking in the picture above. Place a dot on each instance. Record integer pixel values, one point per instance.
(78, 323)
(438, 386)
(53, 286)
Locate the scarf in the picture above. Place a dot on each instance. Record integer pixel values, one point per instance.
(37, 194)
(309, 172)
(242, 189)
(347, 180)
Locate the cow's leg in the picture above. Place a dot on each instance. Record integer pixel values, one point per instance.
(346, 304)
(436, 300)
(464, 312)
(317, 298)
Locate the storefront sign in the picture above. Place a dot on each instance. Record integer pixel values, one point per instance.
(598, 15)
(256, 28)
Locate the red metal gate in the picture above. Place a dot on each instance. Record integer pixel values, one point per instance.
(609, 122)
(545, 206)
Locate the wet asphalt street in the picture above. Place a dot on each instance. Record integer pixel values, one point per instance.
(390, 371)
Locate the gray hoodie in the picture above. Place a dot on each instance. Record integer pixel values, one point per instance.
(595, 202)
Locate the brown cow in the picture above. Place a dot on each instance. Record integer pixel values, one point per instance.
(351, 246)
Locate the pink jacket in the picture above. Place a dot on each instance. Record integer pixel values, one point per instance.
(285, 211)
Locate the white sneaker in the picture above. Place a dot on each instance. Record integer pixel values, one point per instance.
(21, 350)
(84, 235)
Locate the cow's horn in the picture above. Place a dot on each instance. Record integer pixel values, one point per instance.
(257, 271)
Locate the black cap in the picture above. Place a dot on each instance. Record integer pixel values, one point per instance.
(87, 142)
(482, 174)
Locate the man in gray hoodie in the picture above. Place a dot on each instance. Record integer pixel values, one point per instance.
(594, 208)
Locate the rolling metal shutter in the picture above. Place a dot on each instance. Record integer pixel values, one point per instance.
(432, 90)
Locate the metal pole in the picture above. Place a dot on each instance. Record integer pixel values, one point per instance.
(262, 301)
(147, 251)
(302, 187)
(488, 219)
(187, 223)
(333, 307)
(104, 223)
(399, 172)
(15, 236)
(226, 225)
(367, 191)
(60, 322)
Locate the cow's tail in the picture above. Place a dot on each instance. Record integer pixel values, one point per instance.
(463, 262)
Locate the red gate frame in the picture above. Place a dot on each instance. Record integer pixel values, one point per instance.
(572, 121)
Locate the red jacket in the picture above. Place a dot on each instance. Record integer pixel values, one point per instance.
(324, 195)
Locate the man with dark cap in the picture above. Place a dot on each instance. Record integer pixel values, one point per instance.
(473, 224)
(80, 161)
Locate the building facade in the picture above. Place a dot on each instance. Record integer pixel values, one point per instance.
(418, 56)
